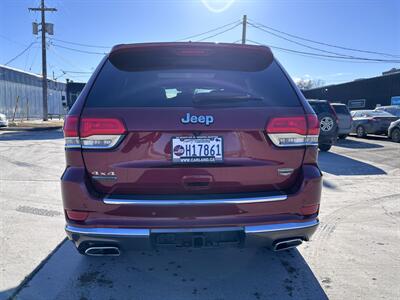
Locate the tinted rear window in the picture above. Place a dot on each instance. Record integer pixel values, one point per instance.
(186, 87)
(341, 109)
(320, 107)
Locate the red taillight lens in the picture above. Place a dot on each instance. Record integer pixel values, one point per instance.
(71, 126)
(294, 131)
(288, 125)
(101, 126)
(76, 215)
(94, 133)
(313, 125)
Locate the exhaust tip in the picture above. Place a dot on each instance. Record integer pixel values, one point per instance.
(103, 251)
(287, 244)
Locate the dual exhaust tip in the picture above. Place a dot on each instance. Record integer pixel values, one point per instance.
(286, 244)
(115, 251)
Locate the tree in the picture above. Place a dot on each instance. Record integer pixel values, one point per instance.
(308, 83)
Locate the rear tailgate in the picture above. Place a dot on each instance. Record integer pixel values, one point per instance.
(159, 92)
(143, 164)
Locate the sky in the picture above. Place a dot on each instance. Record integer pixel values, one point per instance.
(372, 25)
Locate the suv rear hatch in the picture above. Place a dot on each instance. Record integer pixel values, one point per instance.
(154, 109)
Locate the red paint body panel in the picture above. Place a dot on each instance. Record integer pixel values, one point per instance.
(142, 166)
(143, 160)
(77, 196)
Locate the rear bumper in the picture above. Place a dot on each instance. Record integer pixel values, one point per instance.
(221, 211)
(145, 238)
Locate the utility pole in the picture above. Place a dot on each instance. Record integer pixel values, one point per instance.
(43, 28)
(244, 27)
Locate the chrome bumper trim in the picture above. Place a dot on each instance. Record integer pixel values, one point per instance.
(249, 200)
(280, 226)
(135, 232)
(132, 232)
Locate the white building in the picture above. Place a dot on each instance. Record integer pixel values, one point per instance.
(21, 92)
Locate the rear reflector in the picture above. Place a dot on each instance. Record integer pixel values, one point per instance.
(294, 131)
(76, 215)
(309, 209)
(94, 133)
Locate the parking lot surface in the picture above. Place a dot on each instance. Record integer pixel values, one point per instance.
(353, 255)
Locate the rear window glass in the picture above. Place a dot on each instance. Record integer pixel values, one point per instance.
(320, 107)
(341, 109)
(187, 87)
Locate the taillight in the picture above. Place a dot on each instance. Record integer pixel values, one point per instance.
(93, 133)
(100, 126)
(294, 131)
(71, 133)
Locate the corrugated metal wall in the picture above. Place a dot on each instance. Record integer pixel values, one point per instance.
(367, 92)
(27, 88)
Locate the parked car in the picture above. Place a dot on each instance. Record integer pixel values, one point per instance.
(3, 120)
(190, 145)
(391, 109)
(345, 119)
(371, 122)
(328, 123)
(394, 131)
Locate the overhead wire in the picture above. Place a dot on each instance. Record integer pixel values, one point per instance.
(209, 31)
(19, 54)
(335, 54)
(219, 33)
(80, 44)
(317, 55)
(323, 43)
(77, 50)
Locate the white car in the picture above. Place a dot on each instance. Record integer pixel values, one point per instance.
(3, 120)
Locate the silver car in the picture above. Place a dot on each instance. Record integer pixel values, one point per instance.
(391, 109)
(344, 118)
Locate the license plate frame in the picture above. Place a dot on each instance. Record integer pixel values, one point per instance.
(218, 157)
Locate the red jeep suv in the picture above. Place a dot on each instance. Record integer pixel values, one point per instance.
(190, 145)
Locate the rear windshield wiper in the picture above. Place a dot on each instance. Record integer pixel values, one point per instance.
(210, 98)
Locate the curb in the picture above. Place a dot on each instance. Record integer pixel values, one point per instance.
(30, 128)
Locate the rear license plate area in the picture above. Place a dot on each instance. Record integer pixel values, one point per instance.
(198, 239)
(199, 149)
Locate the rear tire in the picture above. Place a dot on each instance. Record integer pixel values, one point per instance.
(361, 132)
(324, 147)
(342, 136)
(396, 135)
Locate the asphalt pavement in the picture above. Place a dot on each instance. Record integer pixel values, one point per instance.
(353, 255)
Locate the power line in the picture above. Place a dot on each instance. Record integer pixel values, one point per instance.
(76, 72)
(34, 58)
(19, 54)
(297, 43)
(209, 31)
(81, 44)
(325, 44)
(219, 33)
(327, 57)
(78, 50)
(338, 55)
(10, 40)
(65, 60)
